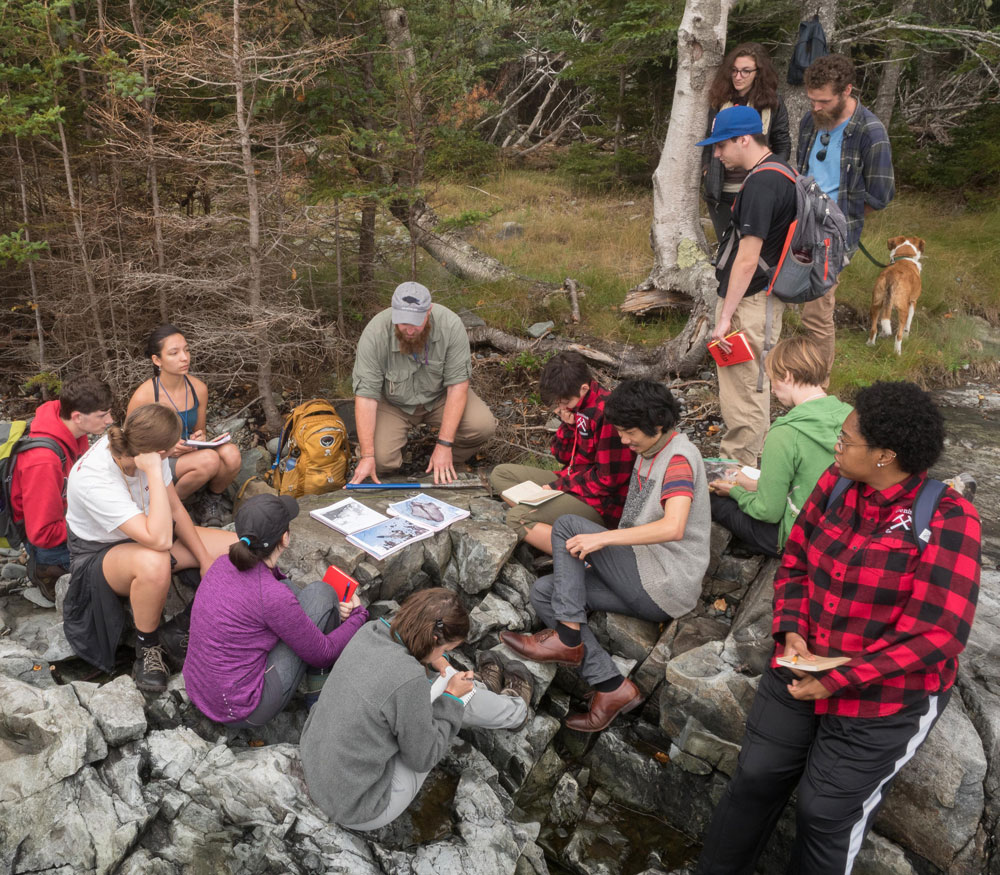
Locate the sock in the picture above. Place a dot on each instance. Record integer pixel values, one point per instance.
(567, 635)
(610, 685)
(146, 639)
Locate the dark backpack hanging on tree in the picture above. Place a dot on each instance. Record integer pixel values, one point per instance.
(810, 45)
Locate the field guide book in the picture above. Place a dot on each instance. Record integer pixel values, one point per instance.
(530, 493)
(410, 520)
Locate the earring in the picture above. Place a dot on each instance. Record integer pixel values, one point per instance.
(880, 464)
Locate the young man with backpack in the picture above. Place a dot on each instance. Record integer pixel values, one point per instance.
(845, 148)
(762, 213)
(38, 482)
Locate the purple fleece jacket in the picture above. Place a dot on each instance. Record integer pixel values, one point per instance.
(237, 619)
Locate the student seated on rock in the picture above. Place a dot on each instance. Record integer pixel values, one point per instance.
(413, 366)
(797, 449)
(595, 465)
(252, 632)
(38, 484)
(173, 387)
(380, 725)
(650, 567)
(854, 583)
(127, 531)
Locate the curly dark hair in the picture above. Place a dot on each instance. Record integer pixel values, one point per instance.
(903, 418)
(763, 94)
(642, 404)
(837, 71)
(562, 377)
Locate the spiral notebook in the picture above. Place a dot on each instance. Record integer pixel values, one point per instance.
(739, 352)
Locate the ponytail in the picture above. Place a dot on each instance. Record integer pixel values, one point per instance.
(244, 557)
(151, 428)
(429, 618)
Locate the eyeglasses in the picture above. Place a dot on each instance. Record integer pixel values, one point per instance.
(743, 72)
(824, 141)
(844, 443)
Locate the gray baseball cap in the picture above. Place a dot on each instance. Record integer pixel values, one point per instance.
(410, 304)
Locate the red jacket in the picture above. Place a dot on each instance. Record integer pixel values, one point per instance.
(40, 478)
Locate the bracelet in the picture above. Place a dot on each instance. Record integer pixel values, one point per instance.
(445, 443)
(367, 455)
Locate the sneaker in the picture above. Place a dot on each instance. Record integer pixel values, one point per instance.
(211, 511)
(964, 484)
(150, 671)
(174, 643)
(518, 681)
(489, 670)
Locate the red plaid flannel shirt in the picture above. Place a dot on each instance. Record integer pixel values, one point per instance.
(596, 467)
(853, 583)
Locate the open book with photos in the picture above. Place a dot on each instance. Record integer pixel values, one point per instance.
(727, 469)
(410, 520)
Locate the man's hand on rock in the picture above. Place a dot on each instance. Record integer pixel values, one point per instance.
(442, 465)
(364, 470)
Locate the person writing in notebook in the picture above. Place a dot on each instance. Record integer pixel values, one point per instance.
(172, 386)
(762, 212)
(595, 464)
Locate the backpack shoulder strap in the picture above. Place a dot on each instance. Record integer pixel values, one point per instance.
(839, 488)
(35, 443)
(925, 505)
(787, 172)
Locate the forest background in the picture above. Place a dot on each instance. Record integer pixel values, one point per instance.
(262, 174)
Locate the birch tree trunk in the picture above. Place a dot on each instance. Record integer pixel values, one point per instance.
(258, 327)
(681, 266)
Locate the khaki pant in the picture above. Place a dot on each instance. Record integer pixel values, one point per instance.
(817, 320)
(747, 412)
(523, 516)
(392, 424)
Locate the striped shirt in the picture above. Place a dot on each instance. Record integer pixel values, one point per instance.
(866, 176)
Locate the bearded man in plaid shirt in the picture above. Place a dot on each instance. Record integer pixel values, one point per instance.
(595, 464)
(854, 584)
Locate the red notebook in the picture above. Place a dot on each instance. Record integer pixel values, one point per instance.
(343, 584)
(739, 352)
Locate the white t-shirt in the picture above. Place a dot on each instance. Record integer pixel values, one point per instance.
(99, 497)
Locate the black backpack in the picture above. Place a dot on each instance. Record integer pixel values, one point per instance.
(925, 503)
(810, 45)
(13, 442)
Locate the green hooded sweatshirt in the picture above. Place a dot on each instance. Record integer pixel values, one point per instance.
(797, 449)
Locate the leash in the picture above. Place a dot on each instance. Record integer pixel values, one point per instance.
(871, 257)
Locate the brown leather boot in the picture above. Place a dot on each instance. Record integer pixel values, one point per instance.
(543, 646)
(45, 577)
(604, 707)
(489, 670)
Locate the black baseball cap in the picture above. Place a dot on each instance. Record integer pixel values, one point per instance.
(263, 519)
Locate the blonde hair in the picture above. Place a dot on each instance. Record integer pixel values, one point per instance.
(798, 359)
(148, 429)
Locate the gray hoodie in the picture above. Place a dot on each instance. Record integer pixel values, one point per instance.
(375, 703)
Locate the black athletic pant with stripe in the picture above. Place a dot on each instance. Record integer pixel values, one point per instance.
(840, 766)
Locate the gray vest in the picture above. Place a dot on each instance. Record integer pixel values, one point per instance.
(671, 573)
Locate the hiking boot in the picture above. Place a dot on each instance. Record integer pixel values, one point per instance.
(490, 670)
(211, 511)
(45, 577)
(518, 681)
(315, 679)
(150, 671)
(174, 643)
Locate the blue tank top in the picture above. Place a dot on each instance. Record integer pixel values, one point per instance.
(189, 417)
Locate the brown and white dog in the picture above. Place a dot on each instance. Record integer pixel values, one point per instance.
(898, 286)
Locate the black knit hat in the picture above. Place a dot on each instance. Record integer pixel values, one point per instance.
(263, 519)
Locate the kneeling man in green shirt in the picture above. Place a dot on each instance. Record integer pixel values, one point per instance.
(413, 365)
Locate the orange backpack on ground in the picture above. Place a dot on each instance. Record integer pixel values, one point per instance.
(313, 451)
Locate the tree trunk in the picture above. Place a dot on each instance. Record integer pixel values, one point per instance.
(154, 187)
(796, 101)
(681, 264)
(366, 246)
(885, 99)
(25, 216)
(258, 329)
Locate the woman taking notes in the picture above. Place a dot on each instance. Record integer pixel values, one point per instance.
(187, 396)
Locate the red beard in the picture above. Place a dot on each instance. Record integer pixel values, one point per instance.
(417, 343)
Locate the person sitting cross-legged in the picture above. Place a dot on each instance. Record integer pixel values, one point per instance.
(595, 464)
(797, 449)
(650, 567)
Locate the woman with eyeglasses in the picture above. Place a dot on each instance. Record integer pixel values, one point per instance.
(856, 584)
(746, 77)
(392, 706)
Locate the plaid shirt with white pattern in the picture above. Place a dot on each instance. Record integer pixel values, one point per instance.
(853, 583)
(866, 175)
(596, 467)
